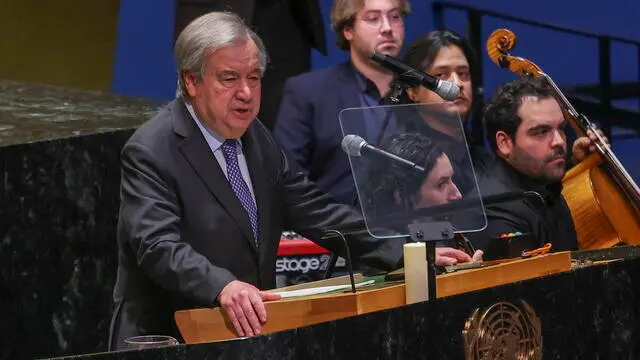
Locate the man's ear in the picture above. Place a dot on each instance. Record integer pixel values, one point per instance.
(504, 144)
(396, 196)
(347, 32)
(190, 81)
(413, 94)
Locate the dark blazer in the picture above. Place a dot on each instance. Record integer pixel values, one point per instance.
(547, 220)
(183, 234)
(308, 126)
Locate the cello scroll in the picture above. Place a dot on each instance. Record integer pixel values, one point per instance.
(498, 46)
(604, 199)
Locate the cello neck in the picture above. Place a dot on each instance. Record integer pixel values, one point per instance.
(582, 125)
(579, 122)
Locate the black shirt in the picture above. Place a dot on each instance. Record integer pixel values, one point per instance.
(548, 221)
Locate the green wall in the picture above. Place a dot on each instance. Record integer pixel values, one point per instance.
(62, 42)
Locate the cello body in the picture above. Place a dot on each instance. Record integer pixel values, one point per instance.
(602, 197)
(602, 215)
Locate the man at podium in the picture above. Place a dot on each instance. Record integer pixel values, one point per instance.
(206, 193)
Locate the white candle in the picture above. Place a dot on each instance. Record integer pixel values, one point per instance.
(415, 272)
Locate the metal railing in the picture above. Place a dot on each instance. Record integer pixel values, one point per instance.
(605, 94)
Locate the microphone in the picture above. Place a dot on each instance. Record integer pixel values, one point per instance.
(354, 145)
(445, 89)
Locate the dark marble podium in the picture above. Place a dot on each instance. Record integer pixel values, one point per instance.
(59, 162)
(587, 313)
(59, 168)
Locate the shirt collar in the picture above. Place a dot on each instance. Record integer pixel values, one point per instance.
(364, 84)
(214, 139)
(523, 182)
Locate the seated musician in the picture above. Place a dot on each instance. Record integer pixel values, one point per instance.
(383, 193)
(526, 129)
(448, 56)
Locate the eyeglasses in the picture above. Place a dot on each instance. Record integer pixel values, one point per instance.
(375, 19)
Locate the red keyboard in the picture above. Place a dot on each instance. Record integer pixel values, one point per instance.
(299, 246)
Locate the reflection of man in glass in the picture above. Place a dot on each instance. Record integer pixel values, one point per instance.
(390, 189)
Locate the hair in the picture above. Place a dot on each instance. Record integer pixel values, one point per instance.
(343, 14)
(501, 111)
(207, 34)
(383, 180)
(422, 52)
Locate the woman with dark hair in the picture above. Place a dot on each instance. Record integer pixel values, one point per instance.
(390, 189)
(447, 56)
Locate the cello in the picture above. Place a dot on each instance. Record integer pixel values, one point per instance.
(603, 198)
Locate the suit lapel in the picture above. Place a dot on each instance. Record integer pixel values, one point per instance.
(351, 122)
(197, 152)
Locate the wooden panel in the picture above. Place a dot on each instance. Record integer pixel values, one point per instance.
(208, 325)
(503, 273)
(205, 325)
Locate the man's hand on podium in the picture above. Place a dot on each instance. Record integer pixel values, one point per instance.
(244, 305)
(447, 256)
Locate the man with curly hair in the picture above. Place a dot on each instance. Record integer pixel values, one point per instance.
(526, 129)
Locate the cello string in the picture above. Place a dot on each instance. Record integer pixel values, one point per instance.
(603, 147)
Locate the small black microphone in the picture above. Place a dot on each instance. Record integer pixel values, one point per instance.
(354, 145)
(445, 89)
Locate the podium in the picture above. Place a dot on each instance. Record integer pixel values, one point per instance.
(211, 324)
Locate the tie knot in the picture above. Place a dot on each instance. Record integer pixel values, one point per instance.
(229, 147)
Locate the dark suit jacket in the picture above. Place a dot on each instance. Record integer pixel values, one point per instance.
(308, 126)
(548, 221)
(183, 234)
(289, 30)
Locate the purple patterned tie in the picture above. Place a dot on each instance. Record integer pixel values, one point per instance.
(239, 186)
